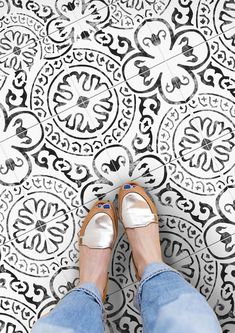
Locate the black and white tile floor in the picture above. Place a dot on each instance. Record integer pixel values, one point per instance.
(96, 93)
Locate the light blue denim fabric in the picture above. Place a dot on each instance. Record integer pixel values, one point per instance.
(79, 311)
(167, 303)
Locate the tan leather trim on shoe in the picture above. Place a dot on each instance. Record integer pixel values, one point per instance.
(136, 270)
(105, 290)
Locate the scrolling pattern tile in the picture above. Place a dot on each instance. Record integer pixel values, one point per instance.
(82, 124)
(95, 93)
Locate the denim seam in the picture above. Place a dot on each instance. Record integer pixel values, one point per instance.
(151, 276)
(89, 292)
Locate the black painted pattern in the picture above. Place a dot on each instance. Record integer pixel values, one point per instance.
(93, 94)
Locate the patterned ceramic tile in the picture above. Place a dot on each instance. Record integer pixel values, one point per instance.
(47, 102)
(27, 282)
(34, 267)
(210, 17)
(39, 27)
(60, 21)
(93, 94)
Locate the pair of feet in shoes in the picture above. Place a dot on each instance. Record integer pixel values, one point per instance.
(144, 240)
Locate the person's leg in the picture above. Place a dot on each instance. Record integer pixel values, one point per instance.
(169, 304)
(80, 311)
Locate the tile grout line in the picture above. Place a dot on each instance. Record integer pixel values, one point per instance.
(55, 31)
(113, 86)
(223, 175)
(170, 70)
(114, 189)
(98, 135)
(101, 9)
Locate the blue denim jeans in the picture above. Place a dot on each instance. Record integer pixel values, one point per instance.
(167, 304)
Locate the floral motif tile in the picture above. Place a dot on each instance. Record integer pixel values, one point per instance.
(27, 282)
(93, 94)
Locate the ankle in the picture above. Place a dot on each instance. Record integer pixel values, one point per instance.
(98, 281)
(141, 267)
(143, 260)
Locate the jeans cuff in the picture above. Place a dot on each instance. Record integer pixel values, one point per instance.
(150, 271)
(91, 289)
